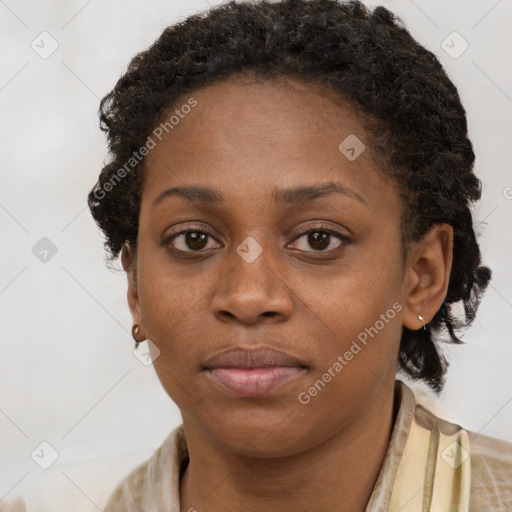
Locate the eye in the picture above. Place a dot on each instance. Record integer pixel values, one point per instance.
(320, 239)
(190, 240)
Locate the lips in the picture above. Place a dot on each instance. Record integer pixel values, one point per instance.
(261, 357)
(251, 372)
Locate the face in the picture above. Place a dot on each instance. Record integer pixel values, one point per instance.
(249, 274)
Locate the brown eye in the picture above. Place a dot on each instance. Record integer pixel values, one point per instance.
(189, 241)
(321, 240)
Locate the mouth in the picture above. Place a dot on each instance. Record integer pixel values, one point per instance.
(247, 382)
(252, 372)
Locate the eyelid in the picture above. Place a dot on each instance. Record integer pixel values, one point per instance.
(322, 227)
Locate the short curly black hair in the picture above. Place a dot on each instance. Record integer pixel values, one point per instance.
(412, 114)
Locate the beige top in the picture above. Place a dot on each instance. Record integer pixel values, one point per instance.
(431, 465)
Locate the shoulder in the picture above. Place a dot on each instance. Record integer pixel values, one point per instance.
(144, 483)
(490, 461)
(127, 496)
(491, 473)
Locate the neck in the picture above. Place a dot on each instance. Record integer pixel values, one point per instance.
(337, 474)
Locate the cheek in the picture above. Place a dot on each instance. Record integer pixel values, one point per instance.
(167, 308)
(170, 312)
(363, 323)
(361, 304)
(167, 293)
(356, 328)
(173, 308)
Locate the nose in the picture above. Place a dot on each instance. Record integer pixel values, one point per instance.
(253, 292)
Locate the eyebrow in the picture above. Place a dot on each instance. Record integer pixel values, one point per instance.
(297, 196)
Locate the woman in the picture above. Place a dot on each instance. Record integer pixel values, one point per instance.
(289, 191)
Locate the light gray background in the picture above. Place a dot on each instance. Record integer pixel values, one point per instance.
(68, 375)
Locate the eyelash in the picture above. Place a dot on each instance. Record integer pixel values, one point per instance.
(322, 229)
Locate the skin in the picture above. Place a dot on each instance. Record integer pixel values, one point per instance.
(246, 139)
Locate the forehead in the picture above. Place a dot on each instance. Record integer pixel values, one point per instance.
(243, 135)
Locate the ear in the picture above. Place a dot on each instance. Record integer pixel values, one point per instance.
(129, 261)
(429, 263)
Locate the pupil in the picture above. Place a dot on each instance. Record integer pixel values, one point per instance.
(319, 240)
(195, 240)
